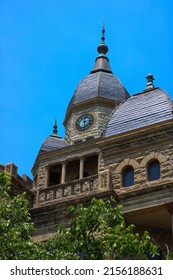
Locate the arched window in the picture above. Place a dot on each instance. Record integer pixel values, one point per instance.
(128, 176)
(153, 170)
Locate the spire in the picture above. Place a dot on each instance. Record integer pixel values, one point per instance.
(102, 62)
(103, 34)
(55, 128)
(102, 48)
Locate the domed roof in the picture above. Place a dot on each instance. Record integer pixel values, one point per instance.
(53, 142)
(151, 106)
(100, 82)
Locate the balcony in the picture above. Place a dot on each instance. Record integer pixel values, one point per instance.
(73, 190)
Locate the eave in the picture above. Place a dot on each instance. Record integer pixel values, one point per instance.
(157, 132)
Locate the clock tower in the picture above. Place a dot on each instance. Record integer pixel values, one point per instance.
(93, 100)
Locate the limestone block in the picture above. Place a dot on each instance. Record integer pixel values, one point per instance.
(67, 191)
(77, 189)
(95, 184)
(59, 193)
(42, 197)
(41, 177)
(50, 195)
(86, 186)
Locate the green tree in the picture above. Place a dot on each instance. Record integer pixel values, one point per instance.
(98, 232)
(16, 226)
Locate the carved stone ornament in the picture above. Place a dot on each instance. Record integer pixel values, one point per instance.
(137, 143)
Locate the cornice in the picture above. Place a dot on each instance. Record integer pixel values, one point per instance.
(143, 198)
(155, 133)
(63, 205)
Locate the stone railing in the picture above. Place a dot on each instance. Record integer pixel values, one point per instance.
(74, 189)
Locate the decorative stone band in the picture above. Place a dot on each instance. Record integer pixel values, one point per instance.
(77, 188)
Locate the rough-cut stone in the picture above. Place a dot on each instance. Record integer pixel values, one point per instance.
(100, 115)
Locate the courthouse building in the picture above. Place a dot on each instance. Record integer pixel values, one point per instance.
(115, 145)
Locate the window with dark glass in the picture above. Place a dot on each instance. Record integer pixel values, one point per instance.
(128, 176)
(154, 170)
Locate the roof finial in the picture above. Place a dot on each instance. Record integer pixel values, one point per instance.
(103, 48)
(150, 80)
(102, 61)
(55, 128)
(103, 34)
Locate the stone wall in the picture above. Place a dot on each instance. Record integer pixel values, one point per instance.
(138, 159)
(41, 177)
(101, 116)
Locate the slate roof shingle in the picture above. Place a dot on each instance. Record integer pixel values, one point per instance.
(99, 84)
(52, 143)
(140, 110)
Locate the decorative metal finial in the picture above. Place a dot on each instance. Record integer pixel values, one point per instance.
(150, 80)
(55, 128)
(102, 48)
(103, 34)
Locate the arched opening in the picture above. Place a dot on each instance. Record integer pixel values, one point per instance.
(54, 175)
(153, 170)
(128, 176)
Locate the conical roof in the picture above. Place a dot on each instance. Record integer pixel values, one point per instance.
(53, 142)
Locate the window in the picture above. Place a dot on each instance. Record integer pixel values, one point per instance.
(54, 178)
(153, 170)
(128, 176)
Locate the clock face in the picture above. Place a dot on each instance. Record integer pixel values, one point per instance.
(84, 122)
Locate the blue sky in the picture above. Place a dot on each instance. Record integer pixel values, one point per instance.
(48, 46)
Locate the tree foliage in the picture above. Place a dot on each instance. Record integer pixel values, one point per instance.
(99, 232)
(96, 232)
(16, 226)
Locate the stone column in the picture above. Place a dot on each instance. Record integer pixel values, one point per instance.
(98, 161)
(46, 176)
(81, 168)
(63, 173)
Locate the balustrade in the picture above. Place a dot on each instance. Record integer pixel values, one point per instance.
(73, 189)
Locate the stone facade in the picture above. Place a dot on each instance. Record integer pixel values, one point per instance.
(104, 179)
(138, 156)
(100, 114)
(41, 177)
(125, 134)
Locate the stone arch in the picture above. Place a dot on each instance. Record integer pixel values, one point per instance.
(119, 169)
(126, 162)
(152, 156)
